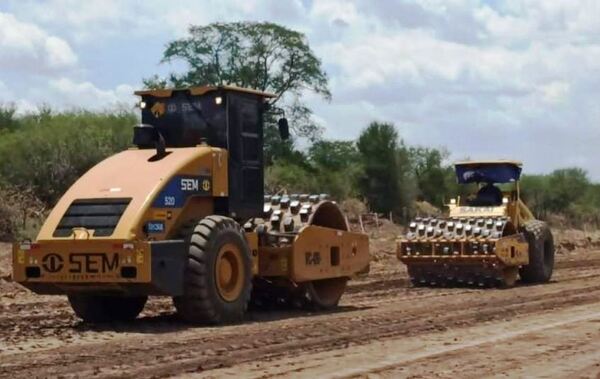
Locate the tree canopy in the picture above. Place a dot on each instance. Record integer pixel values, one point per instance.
(378, 145)
(259, 55)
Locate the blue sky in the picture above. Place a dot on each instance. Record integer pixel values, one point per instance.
(486, 79)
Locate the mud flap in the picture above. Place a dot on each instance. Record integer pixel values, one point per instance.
(168, 266)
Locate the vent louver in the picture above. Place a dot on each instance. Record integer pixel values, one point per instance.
(101, 215)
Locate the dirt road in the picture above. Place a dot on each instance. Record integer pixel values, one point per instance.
(383, 328)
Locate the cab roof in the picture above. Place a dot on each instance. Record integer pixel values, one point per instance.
(201, 90)
(489, 162)
(492, 171)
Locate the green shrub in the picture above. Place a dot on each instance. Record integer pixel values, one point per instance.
(21, 214)
(283, 177)
(47, 152)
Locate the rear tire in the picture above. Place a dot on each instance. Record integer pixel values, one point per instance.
(99, 308)
(541, 253)
(218, 276)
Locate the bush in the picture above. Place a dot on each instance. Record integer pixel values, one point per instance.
(21, 214)
(289, 178)
(47, 152)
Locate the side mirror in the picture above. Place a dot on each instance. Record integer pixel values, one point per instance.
(284, 129)
(146, 136)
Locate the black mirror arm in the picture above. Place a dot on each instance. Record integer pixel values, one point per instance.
(161, 148)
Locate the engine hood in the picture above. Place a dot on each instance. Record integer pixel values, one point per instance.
(133, 177)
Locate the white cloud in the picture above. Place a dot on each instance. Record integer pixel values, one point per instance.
(59, 53)
(70, 93)
(332, 10)
(516, 78)
(555, 92)
(81, 20)
(25, 46)
(97, 20)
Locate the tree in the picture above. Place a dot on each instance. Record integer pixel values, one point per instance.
(330, 167)
(259, 55)
(334, 155)
(8, 120)
(289, 177)
(431, 175)
(567, 186)
(379, 183)
(336, 166)
(407, 184)
(535, 191)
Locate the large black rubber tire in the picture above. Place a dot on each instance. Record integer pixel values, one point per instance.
(100, 308)
(541, 253)
(201, 301)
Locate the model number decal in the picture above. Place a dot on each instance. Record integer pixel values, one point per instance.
(155, 227)
(175, 193)
(312, 259)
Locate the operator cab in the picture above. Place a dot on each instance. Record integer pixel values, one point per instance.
(487, 175)
(224, 117)
(196, 115)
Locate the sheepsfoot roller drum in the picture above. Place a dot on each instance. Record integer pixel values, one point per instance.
(308, 255)
(473, 251)
(187, 219)
(486, 240)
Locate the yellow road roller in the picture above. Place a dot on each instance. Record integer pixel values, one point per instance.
(488, 238)
(183, 214)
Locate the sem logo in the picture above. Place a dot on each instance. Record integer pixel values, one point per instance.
(180, 188)
(95, 263)
(52, 263)
(190, 185)
(158, 110)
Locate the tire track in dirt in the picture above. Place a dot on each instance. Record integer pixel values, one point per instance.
(533, 345)
(203, 349)
(33, 318)
(55, 320)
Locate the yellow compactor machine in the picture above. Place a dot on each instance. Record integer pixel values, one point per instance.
(487, 239)
(183, 214)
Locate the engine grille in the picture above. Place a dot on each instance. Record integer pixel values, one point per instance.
(102, 215)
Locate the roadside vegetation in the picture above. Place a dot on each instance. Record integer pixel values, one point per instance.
(42, 154)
